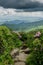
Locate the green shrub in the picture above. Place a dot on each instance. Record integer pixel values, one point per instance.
(36, 56)
(8, 41)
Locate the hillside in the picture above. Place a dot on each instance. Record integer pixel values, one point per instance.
(8, 41)
(23, 25)
(24, 50)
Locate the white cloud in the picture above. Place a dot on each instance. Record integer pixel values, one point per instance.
(8, 11)
(12, 14)
(41, 1)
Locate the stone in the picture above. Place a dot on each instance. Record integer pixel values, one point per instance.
(27, 51)
(22, 57)
(15, 52)
(19, 63)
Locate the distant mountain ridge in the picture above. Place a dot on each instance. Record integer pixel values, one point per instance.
(23, 25)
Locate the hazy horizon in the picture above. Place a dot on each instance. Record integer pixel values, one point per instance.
(27, 10)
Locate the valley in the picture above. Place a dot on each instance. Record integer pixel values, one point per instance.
(19, 25)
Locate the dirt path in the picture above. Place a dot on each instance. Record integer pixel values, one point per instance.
(21, 58)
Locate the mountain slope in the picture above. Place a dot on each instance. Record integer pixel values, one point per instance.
(30, 46)
(8, 41)
(23, 25)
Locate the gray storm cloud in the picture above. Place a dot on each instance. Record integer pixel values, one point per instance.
(26, 5)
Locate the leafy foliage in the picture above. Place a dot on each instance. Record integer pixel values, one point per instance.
(36, 56)
(8, 41)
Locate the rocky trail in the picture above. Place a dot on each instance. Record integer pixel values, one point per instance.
(20, 55)
(20, 59)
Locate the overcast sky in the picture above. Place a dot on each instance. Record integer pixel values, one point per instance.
(27, 5)
(20, 8)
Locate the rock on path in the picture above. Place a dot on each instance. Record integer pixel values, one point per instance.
(20, 59)
(19, 63)
(19, 56)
